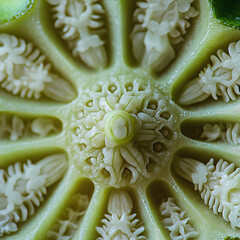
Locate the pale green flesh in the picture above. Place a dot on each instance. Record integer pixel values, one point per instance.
(13, 9)
(205, 36)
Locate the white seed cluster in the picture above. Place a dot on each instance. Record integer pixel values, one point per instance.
(23, 72)
(120, 222)
(82, 25)
(160, 24)
(13, 127)
(218, 186)
(227, 132)
(176, 222)
(22, 189)
(141, 129)
(66, 227)
(219, 79)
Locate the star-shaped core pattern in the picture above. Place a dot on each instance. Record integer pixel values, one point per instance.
(122, 131)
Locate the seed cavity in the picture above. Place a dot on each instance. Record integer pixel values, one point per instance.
(23, 186)
(221, 79)
(218, 185)
(14, 127)
(120, 222)
(159, 25)
(226, 132)
(66, 227)
(175, 221)
(83, 28)
(25, 72)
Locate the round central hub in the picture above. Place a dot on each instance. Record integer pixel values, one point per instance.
(122, 132)
(119, 126)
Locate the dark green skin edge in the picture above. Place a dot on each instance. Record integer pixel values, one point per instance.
(230, 238)
(227, 12)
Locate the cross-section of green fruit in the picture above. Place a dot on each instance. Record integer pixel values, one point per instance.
(119, 120)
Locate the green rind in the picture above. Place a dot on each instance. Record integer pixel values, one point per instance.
(227, 12)
(230, 238)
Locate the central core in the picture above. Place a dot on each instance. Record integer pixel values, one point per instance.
(119, 127)
(122, 132)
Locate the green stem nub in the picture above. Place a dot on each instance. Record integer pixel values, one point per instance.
(119, 127)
